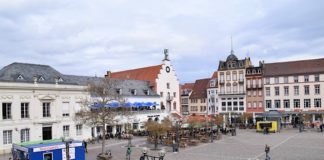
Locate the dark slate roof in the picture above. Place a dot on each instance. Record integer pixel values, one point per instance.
(11, 73)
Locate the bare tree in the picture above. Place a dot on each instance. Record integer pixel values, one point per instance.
(101, 110)
(157, 129)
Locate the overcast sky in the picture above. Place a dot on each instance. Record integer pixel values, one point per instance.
(89, 37)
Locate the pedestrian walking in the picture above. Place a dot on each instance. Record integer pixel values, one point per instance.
(85, 146)
(128, 153)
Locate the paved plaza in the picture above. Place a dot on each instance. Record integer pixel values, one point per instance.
(247, 145)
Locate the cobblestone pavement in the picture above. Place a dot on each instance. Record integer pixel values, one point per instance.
(247, 145)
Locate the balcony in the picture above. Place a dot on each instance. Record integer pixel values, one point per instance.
(232, 93)
(241, 80)
(221, 81)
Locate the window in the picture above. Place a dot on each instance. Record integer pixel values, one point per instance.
(267, 81)
(249, 105)
(296, 90)
(306, 90)
(307, 103)
(174, 105)
(24, 108)
(260, 104)
(228, 76)
(168, 85)
(77, 106)
(66, 131)
(277, 91)
(268, 91)
(46, 109)
(254, 104)
(296, 103)
(234, 76)
(212, 83)
(276, 80)
(24, 135)
(254, 93)
(317, 78)
(286, 103)
(20, 77)
(277, 103)
(6, 110)
(306, 78)
(260, 83)
(317, 89)
(286, 90)
(65, 109)
(317, 103)
(133, 91)
(229, 103)
(119, 91)
(260, 93)
(78, 129)
(174, 94)
(295, 79)
(194, 108)
(241, 76)
(285, 79)
(161, 94)
(7, 137)
(248, 83)
(254, 83)
(268, 103)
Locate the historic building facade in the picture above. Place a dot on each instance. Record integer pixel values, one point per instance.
(294, 88)
(186, 90)
(198, 97)
(212, 95)
(254, 90)
(231, 85)
(163, 80)
(39, 103)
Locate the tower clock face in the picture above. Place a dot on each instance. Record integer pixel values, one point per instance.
(167, 69)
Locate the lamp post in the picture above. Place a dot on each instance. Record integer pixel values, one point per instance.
(176, 147)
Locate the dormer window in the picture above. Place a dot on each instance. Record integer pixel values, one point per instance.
(133, 91)
(60, 79)
(146, 92)
(41, 78)
(119, 91)
(20, 77)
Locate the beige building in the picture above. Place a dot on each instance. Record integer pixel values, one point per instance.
(198, 98)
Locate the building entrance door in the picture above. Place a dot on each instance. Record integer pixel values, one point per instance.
(47, 133)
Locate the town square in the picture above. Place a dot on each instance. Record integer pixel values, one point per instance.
(164, 80)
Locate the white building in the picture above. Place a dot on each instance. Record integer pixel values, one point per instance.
(231, 84)
(163, 80)
(212, 95)
(295, 87)
(39, 103)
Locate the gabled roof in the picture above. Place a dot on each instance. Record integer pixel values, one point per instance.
(200, 88)
(215, 75)
(294, 67)
(146, 74)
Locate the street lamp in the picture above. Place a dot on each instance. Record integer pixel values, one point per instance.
(267, 150)
(67, 147)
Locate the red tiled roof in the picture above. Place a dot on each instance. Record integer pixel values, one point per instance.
(294, 67)
(187, 86)
(200, 89)
(145, 74)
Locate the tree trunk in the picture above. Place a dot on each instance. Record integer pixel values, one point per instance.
(103, 139)
(156, 142)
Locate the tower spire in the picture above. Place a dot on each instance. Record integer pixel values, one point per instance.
(232, 51)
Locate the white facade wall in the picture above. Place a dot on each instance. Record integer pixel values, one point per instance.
(291, 96)
(35, 94)
(212, 101)
(170, 78)
(227, 92)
